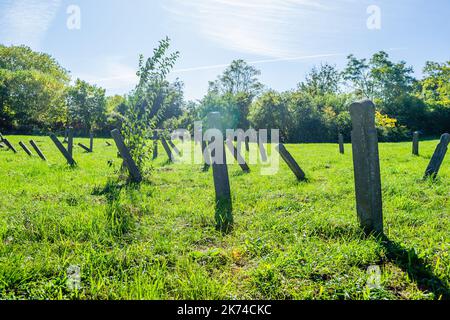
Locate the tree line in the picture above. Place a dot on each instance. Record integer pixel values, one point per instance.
(37, 95)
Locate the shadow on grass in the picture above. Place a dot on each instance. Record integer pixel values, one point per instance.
(416, 268)
(406, 259)
(120, 219)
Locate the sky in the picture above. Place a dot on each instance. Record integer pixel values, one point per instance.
(100, 40)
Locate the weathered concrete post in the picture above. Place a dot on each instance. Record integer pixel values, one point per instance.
(82, 146)
(91, 141)
(9, 145)
(262, 150)
(224, 208)
(247, 144)
(167, 148)
(135, 175)
(70, 142)
(66, 136)
(415, 148)
(366, 164)
(438, 157)
(63, 150)
(206, 157)
(155, 145)
(237, 156)
(25, 148)
(38, 151)
(290, 161)
(174, 147)
(341, 144)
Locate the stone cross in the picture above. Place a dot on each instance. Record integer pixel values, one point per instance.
(366, 164)
(438, 157)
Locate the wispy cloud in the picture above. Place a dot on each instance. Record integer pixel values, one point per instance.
(112, 74)
(26, 21)
(117, 75)
(258, 62)
(272, 28)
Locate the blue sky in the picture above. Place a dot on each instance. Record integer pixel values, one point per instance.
(283, 38)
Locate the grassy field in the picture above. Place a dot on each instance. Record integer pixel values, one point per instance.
(290, 241)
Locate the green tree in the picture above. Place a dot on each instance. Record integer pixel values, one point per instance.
(115, 110)
(148, 102)
(434, 89)
(358, 75)
(235, 88)
(87, 106)
(391, 80)
(322, 80)
(270, 111)
(32, 89)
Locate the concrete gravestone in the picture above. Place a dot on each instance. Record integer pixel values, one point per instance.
(366, 167)
(438, 157)
(135, 174)
(224, 214)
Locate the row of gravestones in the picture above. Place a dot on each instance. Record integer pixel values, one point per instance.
(365, 160)
(366, 165)
(66, 152)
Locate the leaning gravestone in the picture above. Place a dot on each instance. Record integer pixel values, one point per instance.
(135, 174)
(38, 151)
(70, 141)
(237, 156)
(66, 136)
(25, 148)
(63, 150)
(224, 208)
(91, 142)
(367, 167)
(247, 144)
(9, 145)
(206, 157)
(438, 157)
(415, 148)
(262, 150)
(155, 145)
(167, 149)
(341, 144)
(82, 146)
(174, 147)
(290, 161)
